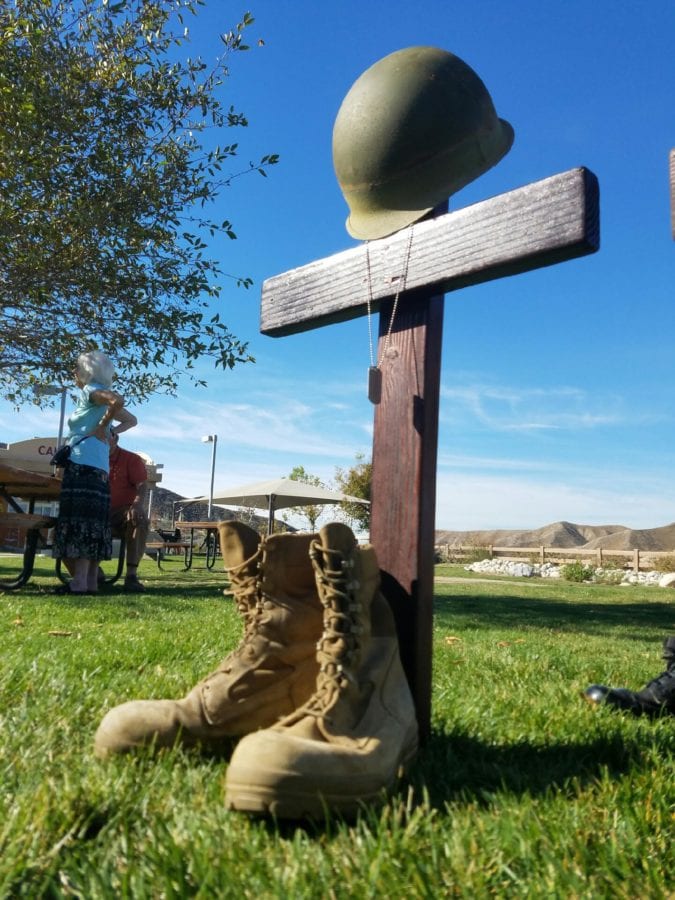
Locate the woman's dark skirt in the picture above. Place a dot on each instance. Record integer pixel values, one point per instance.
(82, 530)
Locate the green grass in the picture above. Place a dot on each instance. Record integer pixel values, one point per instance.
(522, 791)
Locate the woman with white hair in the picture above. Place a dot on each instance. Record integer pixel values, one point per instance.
(82, 534)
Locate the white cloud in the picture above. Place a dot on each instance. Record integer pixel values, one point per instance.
(468, 502)
(286, 426)
(504, 408)
(457, 461)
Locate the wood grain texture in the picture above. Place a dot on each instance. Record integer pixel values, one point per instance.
(537, 225)
(403, 491)
(26, 520)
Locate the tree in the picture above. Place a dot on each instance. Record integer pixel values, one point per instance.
(106, 174)
(356, 482)
(312, 512)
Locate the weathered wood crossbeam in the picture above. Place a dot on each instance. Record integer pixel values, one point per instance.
(537, 225)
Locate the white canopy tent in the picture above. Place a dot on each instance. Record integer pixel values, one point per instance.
(280, 493)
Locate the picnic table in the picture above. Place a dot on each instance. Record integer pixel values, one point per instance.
(21, 484)
(188, 546)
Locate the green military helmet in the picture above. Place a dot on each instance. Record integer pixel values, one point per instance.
(414, 128)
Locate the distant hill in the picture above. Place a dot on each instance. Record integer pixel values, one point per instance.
(566, 535)
(163, 502)
(163, 507)
(637, 539)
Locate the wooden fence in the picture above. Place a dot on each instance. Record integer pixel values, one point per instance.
(637, 560)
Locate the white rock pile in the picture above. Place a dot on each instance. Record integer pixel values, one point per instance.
(549, 570)
(514, 569)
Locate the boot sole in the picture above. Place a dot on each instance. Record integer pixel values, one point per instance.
(310, 803)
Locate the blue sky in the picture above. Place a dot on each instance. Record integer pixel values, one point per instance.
(556, 385)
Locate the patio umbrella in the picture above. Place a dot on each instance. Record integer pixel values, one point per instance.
(277, 494)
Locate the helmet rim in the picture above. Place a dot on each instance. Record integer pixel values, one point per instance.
(373, 215)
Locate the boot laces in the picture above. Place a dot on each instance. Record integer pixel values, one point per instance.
(661, 688)
(246, 580)
(339, 643)
(669, 655)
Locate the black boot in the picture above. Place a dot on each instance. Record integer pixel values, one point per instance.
(655, 699)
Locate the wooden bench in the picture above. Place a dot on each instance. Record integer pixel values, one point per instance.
(27, 521)
(32, 524)
(162, 546)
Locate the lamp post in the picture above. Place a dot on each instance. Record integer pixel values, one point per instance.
(51, 390)
(62, 416)
(211, 439)
(180, 511)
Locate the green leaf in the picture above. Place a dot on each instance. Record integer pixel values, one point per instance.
(105, 237)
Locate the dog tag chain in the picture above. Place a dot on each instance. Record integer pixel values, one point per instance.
(375, 370)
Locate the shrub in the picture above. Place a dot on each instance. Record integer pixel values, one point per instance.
(577, 571)
(609, 576)
(477, 554)
(664, 563)
(460, 556)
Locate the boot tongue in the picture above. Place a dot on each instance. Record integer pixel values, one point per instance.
(238, 543)
(337, 536)
(287, 566)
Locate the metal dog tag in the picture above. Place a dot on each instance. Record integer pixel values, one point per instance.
(374, 384)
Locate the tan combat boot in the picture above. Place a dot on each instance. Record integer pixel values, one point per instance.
(273, 670)
(353, 738)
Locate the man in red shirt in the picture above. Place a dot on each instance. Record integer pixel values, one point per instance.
(127, 507)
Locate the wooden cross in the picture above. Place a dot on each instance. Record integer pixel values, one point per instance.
(537, 225)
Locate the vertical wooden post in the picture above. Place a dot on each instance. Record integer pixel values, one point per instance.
(404, 483)
(636, 560)
(542, 554)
